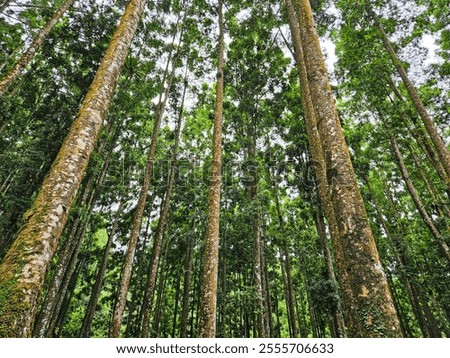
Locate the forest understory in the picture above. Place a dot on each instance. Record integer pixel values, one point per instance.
(223, 168)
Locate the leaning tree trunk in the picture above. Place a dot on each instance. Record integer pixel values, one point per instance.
(207, 325)
(154, 262)
(438, 142)
(25, 265)
(28, 55)
(440, 240)
(371, 308)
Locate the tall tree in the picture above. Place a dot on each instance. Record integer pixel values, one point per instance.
(154, 262)
(207, 325)
(372, 300)
(24, 267)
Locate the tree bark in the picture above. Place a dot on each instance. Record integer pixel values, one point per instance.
(25, 265)
(28, 55)
(207, 325)
(371, 309)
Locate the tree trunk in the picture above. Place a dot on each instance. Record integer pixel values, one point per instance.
(186, 289)
(445, 250)
(207, 325)
(421, 138)
(154, 262)
(70, 247)
(439, 144)
(438, 203)
(259, 305)
(25, 59)
(23, 270)
(337, 324)
(176, 304)
(140, 207)
(317, 153)
(267, 297)
(372, 311)
(96, 290)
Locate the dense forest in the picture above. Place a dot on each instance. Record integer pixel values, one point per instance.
(203, 168)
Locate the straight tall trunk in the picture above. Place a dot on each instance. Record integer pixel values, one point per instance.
(438, 142)
(317, 154)
(412, 289)
(176, 304)
(28, 55)
(186, 289)
(259, 306)
(125, 276)
(208, 306)
(421, 138)
(23, 270)
(371, 310)
(154, 262)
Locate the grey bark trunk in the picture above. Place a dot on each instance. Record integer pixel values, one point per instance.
(90, 311)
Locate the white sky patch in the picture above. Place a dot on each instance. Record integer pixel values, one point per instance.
(429, 42)
(328, 48)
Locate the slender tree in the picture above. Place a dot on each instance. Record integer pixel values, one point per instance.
(154, 262)
(207, 325)
(28, 55)
(430, 126)
(23, 270)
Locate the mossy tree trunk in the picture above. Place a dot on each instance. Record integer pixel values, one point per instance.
(371, 307)
(23, 270)
(207, 314)
(28, 55)
(318, 159)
